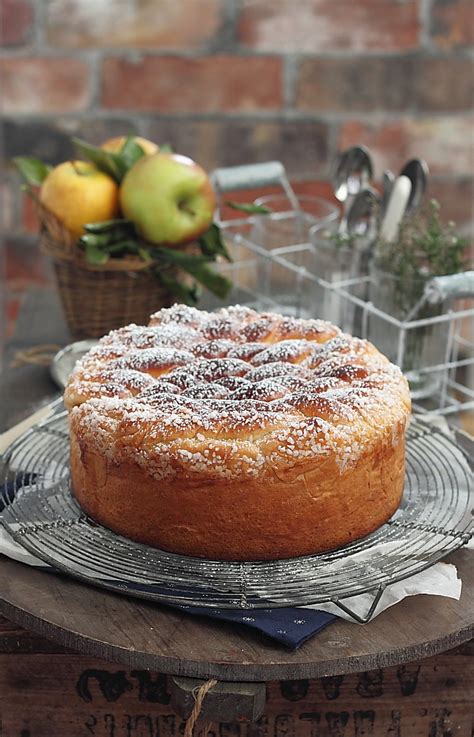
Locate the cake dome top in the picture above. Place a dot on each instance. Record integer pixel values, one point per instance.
(233, 393)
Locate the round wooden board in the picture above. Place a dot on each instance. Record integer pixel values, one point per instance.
(145, 635)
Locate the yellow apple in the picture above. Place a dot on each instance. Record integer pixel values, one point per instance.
(169, 198)
(78, 193)
(115, 144)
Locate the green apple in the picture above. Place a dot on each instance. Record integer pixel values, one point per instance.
(169, 198)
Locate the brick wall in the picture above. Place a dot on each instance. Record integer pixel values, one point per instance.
(231, 81)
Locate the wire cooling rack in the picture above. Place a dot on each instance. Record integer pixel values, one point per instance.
(41, 514)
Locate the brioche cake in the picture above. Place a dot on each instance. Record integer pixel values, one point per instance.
(235, 435)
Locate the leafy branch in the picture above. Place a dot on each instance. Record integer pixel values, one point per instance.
(115, 164)
(426, 247)
(32, 170)
(118, 238)
(248, 207)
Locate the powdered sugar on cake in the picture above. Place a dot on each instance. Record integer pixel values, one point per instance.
(233, 394)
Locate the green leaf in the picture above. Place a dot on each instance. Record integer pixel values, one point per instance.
(178, 258)
(187, 293)
(95, 256)
(115, 164)
(145, 255)
(166, 148)
(111, 233)
(108, 162)
(131, 152)
(107, 225)
(216, 283)
(249, 208)
(95, 240)
(212, 244)
(33, 171)
(198, 267)
(123, 247)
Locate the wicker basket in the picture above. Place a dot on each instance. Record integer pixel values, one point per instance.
(97, 299)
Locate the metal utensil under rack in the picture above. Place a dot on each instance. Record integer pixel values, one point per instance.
(40, 513)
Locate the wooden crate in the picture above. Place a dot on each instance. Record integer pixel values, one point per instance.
(48, 691)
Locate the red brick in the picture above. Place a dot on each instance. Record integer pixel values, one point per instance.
(375, 83)
(301, 145)
(12, 309)
(167, 24)
(456, 197)
(29, 218)
(25, 264)
(327, 25)
(43, 85)
(209, 84)
(310, 188)
(452, 23)
(444, 83)
(16, 19)
(445, 142)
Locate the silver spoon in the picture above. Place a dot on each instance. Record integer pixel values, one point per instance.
(362, 224)
(352, 172)
(417, 172)
(362, 218)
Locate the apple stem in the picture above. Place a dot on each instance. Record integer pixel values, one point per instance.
(182, 206)
(77, 170)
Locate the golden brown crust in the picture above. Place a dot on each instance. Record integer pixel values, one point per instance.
(238, 436)
(252, 521)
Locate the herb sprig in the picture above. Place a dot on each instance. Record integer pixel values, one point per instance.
(426, 247)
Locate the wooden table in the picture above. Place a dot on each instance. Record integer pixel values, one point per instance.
(140, 634)
(403, 682)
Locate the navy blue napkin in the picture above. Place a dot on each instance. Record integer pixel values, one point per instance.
(289, 626)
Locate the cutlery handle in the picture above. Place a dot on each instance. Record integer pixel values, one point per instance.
(395, 209)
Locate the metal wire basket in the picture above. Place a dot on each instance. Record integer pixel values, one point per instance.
(41, 514)
(433, 343)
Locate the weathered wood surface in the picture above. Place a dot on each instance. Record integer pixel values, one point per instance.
(140, 634)
(47, 693)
